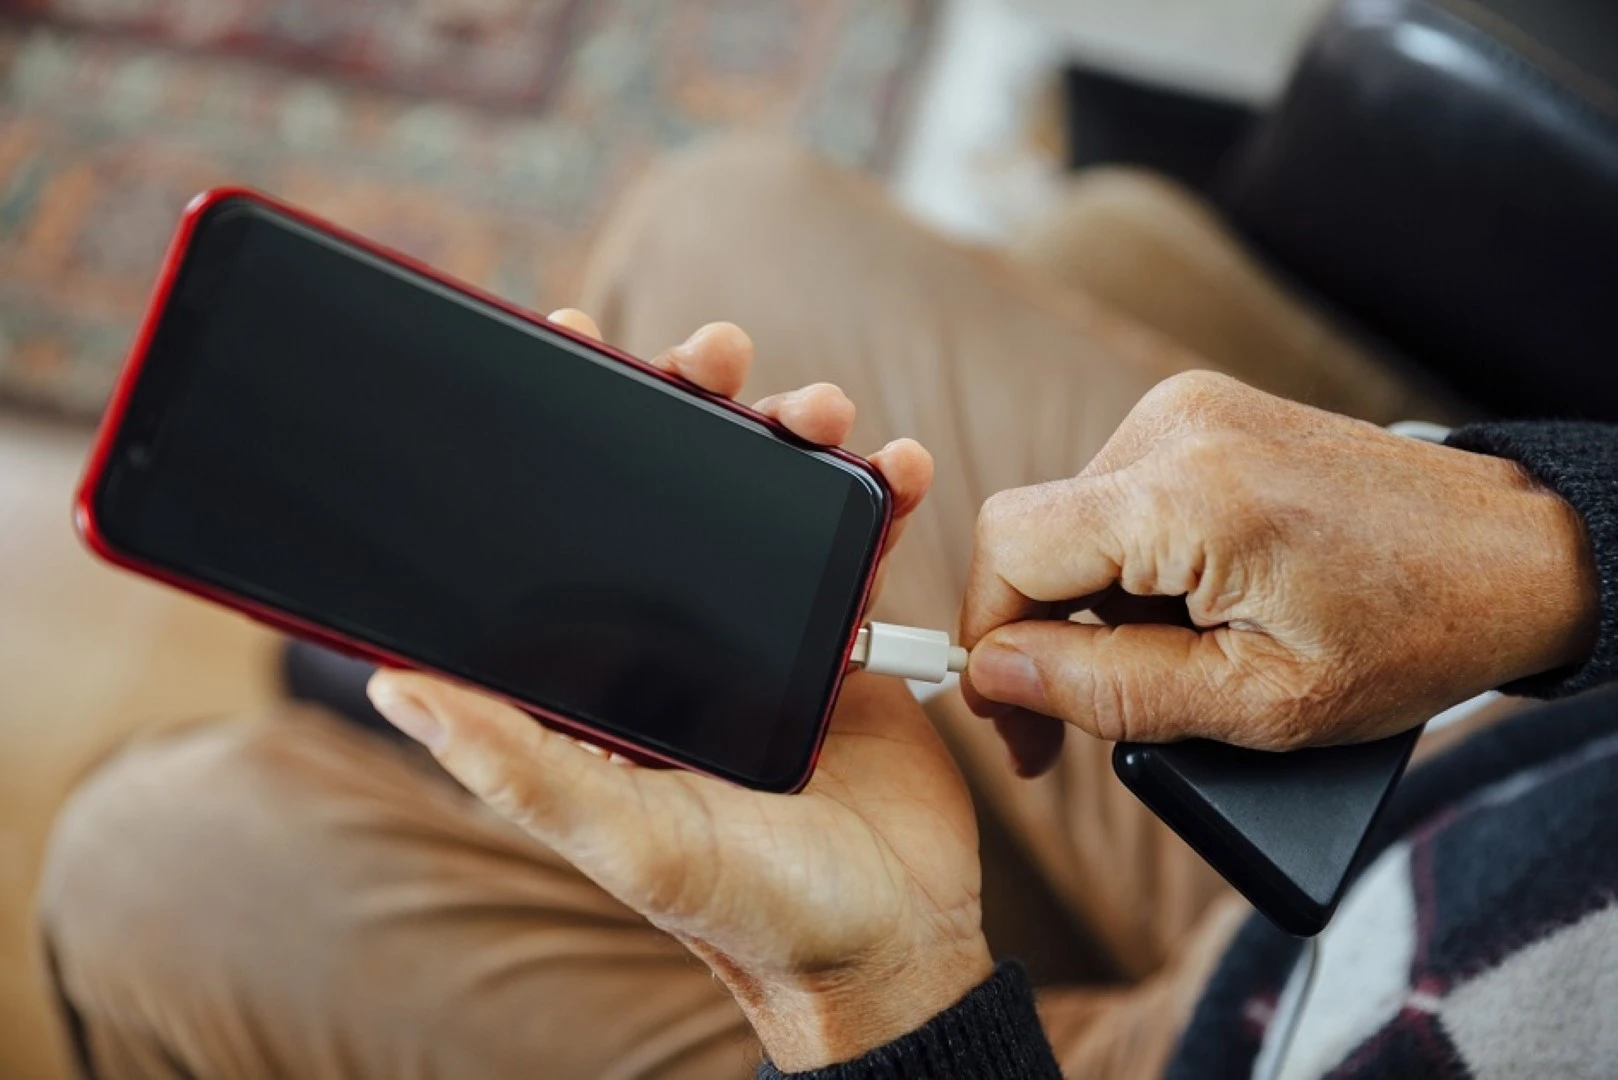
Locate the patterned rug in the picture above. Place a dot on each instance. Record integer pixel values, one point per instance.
(487, 137)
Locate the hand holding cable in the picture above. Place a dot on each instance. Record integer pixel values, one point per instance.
(1336, 582)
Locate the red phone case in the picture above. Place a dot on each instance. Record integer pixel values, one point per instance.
(118, 404)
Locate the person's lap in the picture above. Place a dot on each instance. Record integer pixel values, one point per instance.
(287, 895)
(284, 894)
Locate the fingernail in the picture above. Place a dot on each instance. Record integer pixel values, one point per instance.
(407, 714)
(1006, 675)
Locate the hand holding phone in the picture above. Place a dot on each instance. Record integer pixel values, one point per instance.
(344, 444)
(842, 918)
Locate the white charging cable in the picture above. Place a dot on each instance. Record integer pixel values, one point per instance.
(907, 653)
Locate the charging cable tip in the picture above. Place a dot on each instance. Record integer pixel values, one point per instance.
(907, 653)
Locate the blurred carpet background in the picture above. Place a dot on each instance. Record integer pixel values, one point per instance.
(486, 137)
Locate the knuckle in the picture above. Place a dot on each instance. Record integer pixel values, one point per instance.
(996, 517)
(1108, 702)
(1190, 395)
(1114, 717)
(990, 515)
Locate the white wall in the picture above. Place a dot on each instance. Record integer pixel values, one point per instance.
(968, 168)
(1240, 49)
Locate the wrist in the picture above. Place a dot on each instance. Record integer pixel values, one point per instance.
(1554, 600)
(840, 1015)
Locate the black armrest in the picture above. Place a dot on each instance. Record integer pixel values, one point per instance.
(1446, 172)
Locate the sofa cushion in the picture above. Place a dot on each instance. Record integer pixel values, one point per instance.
(1445, 171)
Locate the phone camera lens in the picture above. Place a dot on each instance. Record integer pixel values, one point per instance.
(139, 455)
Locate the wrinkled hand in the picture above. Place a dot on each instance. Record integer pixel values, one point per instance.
(1339, 583)
(840, 918)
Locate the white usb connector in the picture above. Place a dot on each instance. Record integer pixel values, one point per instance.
(907, 653)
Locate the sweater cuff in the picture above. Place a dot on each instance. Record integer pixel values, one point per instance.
(991, 1034)
(1579, 462)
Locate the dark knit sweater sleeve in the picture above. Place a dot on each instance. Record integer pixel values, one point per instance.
(991, 1034)
(1578, 461)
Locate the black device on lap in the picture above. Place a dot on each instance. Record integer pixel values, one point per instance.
(1286, 830)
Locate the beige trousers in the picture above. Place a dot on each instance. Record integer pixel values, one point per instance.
(286, 895)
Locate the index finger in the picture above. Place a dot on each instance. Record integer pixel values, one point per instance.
(1040, 546)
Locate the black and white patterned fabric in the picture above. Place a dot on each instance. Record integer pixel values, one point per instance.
(1481, 940)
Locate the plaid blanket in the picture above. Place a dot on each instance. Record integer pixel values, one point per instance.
(1482, 941)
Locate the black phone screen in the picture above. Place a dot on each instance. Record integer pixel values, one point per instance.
(341, 438)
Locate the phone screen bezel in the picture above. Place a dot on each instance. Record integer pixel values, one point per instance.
(154, 380)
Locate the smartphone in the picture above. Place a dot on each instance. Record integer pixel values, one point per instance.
(340, 442)
(1286, 830)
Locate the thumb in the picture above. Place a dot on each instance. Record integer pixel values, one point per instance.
(1131, 683)
(563, 793)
